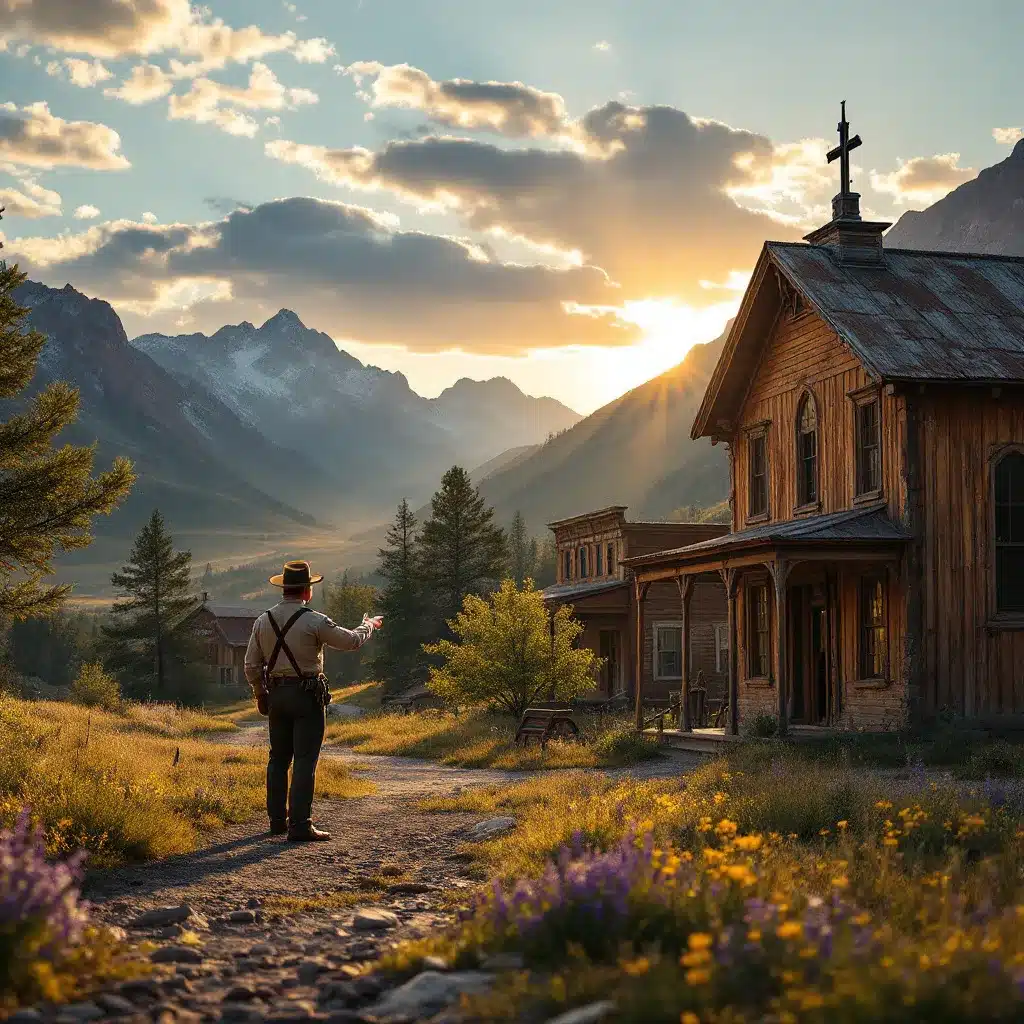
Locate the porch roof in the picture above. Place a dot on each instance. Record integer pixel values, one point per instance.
(568, 591)
(867, 525)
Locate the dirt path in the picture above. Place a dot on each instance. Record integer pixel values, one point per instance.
(276, 927)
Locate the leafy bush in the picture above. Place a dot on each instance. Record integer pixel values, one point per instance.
(624, 745)
(95, 688)
(763, 726)
(511, 652)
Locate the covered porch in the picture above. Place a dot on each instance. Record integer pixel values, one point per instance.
(816, 616)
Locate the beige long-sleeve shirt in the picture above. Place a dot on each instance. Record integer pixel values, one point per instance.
(306, 639)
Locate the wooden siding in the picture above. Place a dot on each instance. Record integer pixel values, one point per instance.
(804, 353)
(968, 664)
(708, 608)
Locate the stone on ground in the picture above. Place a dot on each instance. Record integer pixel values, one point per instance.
(592, 1013)
(177, 955)
(428, 993)
(163, 916)
(344, 711)
(492, 828)
(374, 919)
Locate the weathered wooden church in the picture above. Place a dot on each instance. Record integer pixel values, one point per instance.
(872, 404)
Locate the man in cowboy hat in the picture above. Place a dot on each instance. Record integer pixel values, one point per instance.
(285, 661)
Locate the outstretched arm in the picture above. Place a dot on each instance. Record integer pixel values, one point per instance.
(341, 639)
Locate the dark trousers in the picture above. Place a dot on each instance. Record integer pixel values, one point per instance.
(297, 725)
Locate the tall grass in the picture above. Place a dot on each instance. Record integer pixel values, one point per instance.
(479, 739)
(130, 787)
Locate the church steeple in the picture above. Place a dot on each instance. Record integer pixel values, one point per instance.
(855, 240)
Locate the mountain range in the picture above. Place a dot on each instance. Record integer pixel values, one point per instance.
(359, 425)
(260, 433)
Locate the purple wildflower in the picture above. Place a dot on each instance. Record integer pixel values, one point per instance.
(36, 892)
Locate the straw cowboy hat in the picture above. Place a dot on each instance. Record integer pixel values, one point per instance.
(296, 574)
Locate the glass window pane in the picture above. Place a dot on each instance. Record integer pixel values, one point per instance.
(1010, 579)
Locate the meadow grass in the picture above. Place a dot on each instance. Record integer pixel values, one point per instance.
(131, 786)
(768, 885)
(477, 738)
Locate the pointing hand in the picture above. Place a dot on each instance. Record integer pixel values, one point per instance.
(376, 621)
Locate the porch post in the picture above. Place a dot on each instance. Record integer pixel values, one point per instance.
(639, 593)
(685, 584)
(730, 577)
(780, 573)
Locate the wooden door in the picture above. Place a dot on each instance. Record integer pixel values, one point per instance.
(608, 649)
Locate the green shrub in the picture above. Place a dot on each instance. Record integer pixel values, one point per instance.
(95, 688)
(996, 758)
(625, 745)
(763, 726)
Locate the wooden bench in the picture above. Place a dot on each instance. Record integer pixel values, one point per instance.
(543, 724)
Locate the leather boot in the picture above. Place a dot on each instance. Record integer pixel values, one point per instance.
(278, 828)
(309, 835)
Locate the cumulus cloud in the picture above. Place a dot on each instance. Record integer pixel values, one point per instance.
(215, 103)
(146, 83)
(508, 108)
(121, 28)
(83, 73)
(87, 212)
(923, 179)
(30, 200)
(33, 137)
(647, 197)
(1008, 136)
(350, 271)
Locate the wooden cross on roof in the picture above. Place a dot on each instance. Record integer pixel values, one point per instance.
(842, 152)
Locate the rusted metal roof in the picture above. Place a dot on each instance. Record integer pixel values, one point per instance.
(870, 523)
(568, 591)
(920, 316)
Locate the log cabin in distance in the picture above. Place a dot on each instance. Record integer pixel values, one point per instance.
(591, 576)
(871, 401)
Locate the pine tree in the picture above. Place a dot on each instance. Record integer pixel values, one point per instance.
(346, 602)
(519, 550)
(48, 495)
(397, 650)
(149, 642)
(462, 551)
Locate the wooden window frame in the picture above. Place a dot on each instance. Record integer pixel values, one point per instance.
(721, 651)
(581, 562)
(865, 679)
(999, 620)
(755, 432)
(750, 630)
(612, 567)
(599, 569)
(858, 399)
(806, 507)
(566, 565)
(656, 675)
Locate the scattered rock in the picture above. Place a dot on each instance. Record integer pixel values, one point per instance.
(374, 919)
(240, 1013)
(503, 962)
(589, 1014)
(116, 934)
(310, 970)
(115, 1005)
(262, 949)
(25, 1016)
(239, 994)
(344, 711)
(138, 988)
(81, 1011)
(435, 963)
(428, 993)
(177, 955)
(390, 870)
(242, 916)
(492, 828)
(254, 903)
(163, 916)
(410, 888)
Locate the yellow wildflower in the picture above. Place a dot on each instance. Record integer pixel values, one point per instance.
(698, 977)
(842, 824)
(790, 930)
(840, 882)
(884, 805)
(635, 968)
(699, 940)
(689, 1017)
(748, 843)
